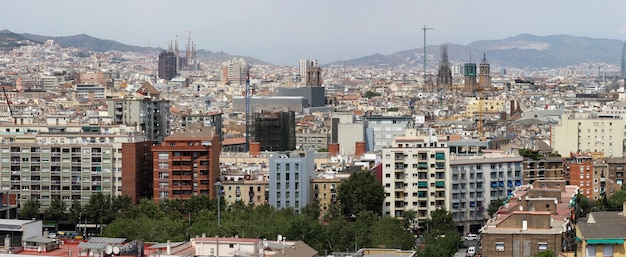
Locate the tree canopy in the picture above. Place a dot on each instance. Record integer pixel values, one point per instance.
(441, 238)
(169, 220)
(29, 209)
(361, 192)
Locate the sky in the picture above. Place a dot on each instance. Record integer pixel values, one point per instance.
(283, 31)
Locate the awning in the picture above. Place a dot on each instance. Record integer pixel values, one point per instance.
(607, 241)
(440, 184)
(422, 165)
(510, 183)
(422, 184)
(440, 156)
(494, 184)
(518, 183)
(501, 183)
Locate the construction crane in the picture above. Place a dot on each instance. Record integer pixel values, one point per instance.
(8, 103)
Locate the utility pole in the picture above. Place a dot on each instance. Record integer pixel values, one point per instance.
(425, 29)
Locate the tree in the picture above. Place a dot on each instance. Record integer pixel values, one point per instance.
(408, 217)
(370, 94)
(56, 210)
(361, 192)
(494, 206)
(584, 206)
(616, 201)
(440, 222)
(442, 237)
(30, 209)
(99, 209)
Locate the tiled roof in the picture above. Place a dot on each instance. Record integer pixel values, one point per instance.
(603, 225)
(298, 249)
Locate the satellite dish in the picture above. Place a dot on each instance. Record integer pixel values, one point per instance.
(556, 201)
(108, 249)
(280, 238)
(265, 244)
(521, 208)
(116, 250)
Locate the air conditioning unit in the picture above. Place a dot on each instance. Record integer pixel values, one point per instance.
(499, 249)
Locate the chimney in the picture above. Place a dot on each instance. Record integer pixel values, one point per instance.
(333, 149)
(255, 149)
(359, 148)
(169, 247)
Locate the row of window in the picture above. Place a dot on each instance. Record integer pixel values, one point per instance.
(542, 246)
(287, 176)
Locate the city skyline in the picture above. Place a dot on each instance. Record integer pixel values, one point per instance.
(282, 32)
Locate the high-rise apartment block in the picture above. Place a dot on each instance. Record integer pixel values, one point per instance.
(144, 109)
(137, 170)
(290, 180)
(167, 65)
(186, 164)
(584, 133)
(479, 179)
(70, 162)
(235, 71)
(579, 171)
(414, 174)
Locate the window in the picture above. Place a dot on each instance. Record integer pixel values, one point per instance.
(163, 155)
(543, 246)
(163, 165)
(499, 246)
(607, 250)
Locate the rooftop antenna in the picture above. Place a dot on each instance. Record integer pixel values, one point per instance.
(425, 29)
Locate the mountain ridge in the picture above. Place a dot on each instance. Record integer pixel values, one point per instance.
(520, 51)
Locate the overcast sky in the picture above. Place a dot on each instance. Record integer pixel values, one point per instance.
(283, 31)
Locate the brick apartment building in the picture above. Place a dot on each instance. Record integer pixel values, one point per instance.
(536, 218)
(186, 164)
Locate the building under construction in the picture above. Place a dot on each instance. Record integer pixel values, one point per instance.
(275, 131)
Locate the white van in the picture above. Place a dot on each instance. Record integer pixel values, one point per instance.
(471, 237)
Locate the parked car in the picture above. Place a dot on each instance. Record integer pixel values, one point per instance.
(471, 237)
(52, 235)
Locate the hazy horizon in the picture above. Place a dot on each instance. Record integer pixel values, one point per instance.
(282, 32)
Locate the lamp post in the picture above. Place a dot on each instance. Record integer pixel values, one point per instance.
(218, 185)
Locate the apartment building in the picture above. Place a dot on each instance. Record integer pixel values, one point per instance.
(584, 133)
(414, 174)
(537, 218)
(186, 164)
(479, 179)
(69, 162)
(290, 180)
(325, 190)
(145, 110)
(613, 180)
(312, 141)
(579, 171)
(548, 167)
(253, 192)
(381, 130)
